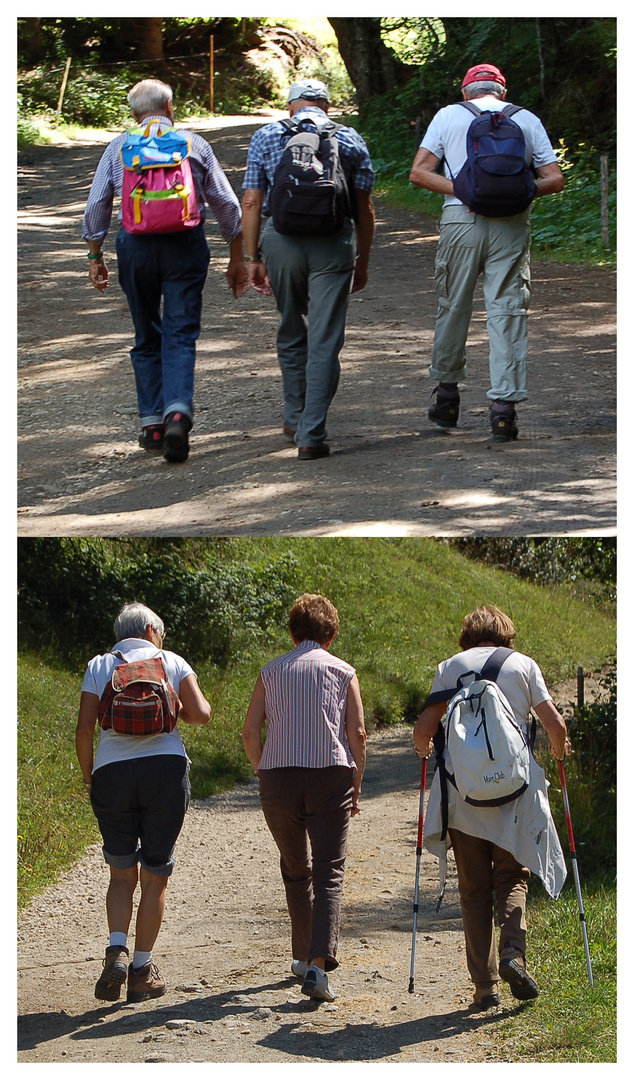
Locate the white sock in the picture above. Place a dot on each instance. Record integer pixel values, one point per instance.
(140, 959)
(118, 938)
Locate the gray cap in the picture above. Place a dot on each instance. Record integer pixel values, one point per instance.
(309, 90)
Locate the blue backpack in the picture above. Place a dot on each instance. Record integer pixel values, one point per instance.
(495, 180)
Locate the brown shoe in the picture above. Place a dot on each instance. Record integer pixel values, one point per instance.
(114, 974)
(146, 982)
(523, 986)
(308, 453)
(288, 431)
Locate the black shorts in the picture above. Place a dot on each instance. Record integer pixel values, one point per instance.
(140, 806)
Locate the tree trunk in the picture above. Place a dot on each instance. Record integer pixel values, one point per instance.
(372, 66)
(151, 42)
(31, 41)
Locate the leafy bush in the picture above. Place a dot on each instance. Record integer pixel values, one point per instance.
(71, 590)
(91, 98)
(548, 561)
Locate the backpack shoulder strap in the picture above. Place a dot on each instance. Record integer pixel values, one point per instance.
(510, 110)
(493, 665)
(119, 655)
(471, 107)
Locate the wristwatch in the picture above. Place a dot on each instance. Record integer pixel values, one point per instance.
(254, 258)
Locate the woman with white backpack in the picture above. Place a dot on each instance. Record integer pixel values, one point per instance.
(499, 834)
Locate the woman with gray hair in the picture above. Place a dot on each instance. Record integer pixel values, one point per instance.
(138, 785)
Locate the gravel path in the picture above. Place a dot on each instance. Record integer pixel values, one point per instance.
(391, 472)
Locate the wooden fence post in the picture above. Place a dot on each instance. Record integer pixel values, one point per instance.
(62, 92)
(604, 200)
(211, 73)
(581, 697)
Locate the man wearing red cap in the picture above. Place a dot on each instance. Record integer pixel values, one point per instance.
(472, 244)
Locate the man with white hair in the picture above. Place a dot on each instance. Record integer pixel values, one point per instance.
(311, 276)
(472, 244)
(163, 274)
(139, 791)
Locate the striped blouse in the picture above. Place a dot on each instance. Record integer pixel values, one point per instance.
(305, 706)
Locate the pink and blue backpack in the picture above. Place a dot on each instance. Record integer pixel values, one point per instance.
(158, 193)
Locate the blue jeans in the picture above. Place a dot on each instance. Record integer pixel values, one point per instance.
(167, 270)
(311, 279)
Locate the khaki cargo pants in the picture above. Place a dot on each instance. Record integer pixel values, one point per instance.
(499, 250)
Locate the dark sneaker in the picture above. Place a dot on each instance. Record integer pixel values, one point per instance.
(503, 421)
(175, 437)
(316, 986)
(309, 453)
(151, 437)
(523, 986)
(488, 1001)
(144, 983)
(446, 408)
(114, 974)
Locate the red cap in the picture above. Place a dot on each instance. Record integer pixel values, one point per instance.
(484, 73)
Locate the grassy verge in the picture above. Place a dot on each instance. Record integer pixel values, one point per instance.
(571, 1021)
(401, 604)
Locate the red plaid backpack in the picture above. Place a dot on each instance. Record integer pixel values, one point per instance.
(138, 699)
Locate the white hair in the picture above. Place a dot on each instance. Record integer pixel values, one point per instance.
(134, 620)
(149, 96)
(478, 89)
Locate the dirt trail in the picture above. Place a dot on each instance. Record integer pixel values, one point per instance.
(390, 473)
(224, 949)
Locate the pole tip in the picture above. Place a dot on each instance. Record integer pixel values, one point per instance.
(410, 989)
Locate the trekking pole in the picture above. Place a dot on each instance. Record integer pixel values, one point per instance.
(419, 849)
(575, 869)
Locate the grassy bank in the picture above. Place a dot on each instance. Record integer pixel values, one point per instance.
(571, 1021)
(401, 604)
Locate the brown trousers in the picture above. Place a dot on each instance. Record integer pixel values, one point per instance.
(308, 813)
(487, 874)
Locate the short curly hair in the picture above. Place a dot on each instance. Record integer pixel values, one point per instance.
(487, 623)
(313, 618)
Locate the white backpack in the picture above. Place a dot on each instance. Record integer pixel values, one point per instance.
(481, 749)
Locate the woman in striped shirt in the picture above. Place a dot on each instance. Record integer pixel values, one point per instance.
(310, 767)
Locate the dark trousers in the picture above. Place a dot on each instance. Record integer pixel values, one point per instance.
(163, 277)
(308, 813)
(488, 874)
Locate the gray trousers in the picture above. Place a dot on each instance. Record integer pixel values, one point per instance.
(499, 250)
(311, 278)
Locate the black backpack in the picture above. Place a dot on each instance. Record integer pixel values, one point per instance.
(495, 180)
(309, 196)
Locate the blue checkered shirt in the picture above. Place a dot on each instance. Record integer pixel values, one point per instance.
(210, 182)
(267, 147)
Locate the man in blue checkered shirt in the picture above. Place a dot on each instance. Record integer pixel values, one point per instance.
(163, 275)
(311, 277)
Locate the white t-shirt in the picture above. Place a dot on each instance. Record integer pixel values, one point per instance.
(115, 747)
(520, 679)
(446, 137)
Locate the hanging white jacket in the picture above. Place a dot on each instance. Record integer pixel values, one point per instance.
(524, 827)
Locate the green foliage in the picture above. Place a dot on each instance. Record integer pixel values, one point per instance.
(568, 225)
(548, 560)
(213, 607)
(91, 98)
(570, 1021)
(225, 603)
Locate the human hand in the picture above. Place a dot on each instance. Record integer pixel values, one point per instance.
(424, 751)
(567, 750)
(238, 277)
(356, 809)
(259, 279)
(360, 279)
(98, 274)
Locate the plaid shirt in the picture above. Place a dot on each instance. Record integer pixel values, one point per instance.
(210, 182)
(266, 149)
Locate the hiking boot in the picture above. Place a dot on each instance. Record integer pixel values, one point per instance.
(316, 986)
(114, 974)
(146, 982)
(487, 1001)
(446, 408)
(175, 437)
(151, 437)
(523, 986)
(299, 969)
(503, 425)
(309, 453)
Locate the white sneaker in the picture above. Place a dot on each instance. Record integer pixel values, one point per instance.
(316, 986)
(299, 968)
